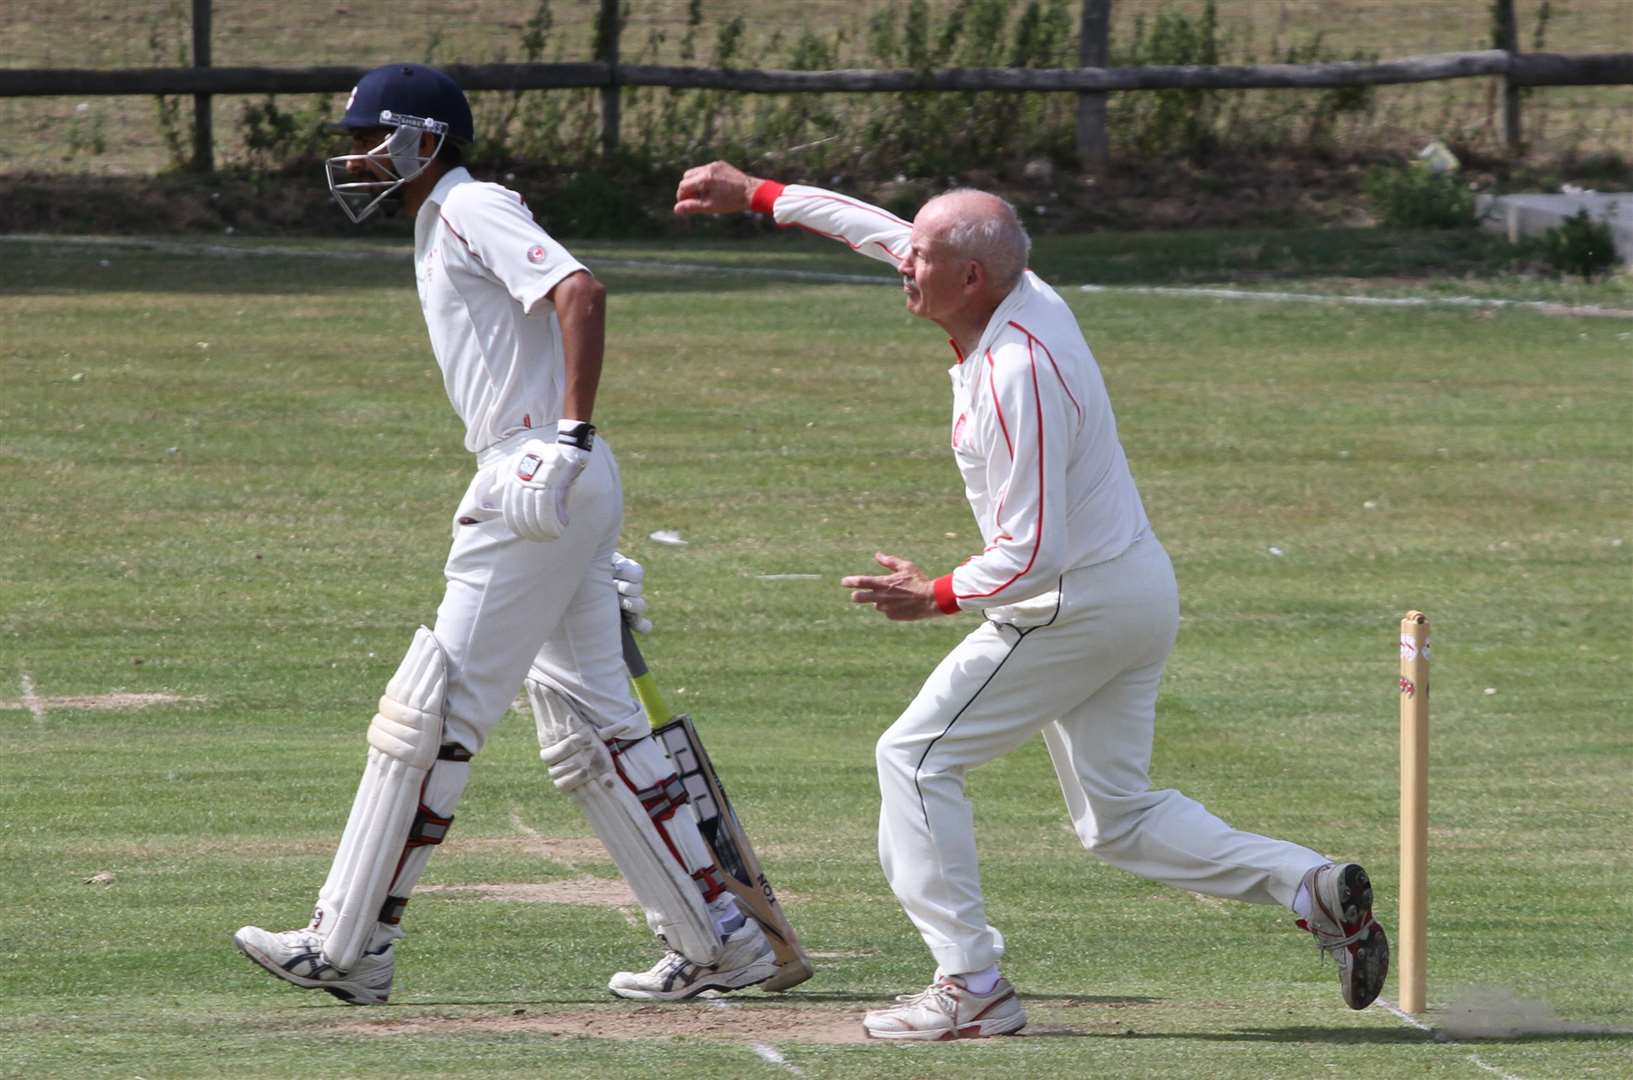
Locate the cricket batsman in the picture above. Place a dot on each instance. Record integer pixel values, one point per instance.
(532, 600)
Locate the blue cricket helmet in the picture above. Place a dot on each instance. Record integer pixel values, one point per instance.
(409, 95)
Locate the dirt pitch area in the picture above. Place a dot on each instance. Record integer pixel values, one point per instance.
(719, 1019)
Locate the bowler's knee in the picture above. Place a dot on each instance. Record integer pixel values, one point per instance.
(1113, 824)
(895, 755)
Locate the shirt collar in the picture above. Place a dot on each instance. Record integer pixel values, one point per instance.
(449, 180)
(1006, 307)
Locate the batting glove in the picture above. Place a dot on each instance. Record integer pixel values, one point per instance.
(629, 576)
(533, 499)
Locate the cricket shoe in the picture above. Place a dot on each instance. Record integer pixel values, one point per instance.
(296, 956)
(1341, 920)
(745, 959)
(948, 1009)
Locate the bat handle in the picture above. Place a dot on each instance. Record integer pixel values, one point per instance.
(646, 687)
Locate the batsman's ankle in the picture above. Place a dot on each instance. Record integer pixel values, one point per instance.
(979, 982)
(384, 934)
(728, 917)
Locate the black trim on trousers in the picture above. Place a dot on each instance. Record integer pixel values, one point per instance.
(1020, 636)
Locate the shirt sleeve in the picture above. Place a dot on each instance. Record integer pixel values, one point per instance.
(865, 228)
(1032, 427)
(499, 230)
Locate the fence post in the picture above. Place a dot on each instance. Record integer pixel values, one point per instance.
(1507, 32)
(1093, 147)
(607, 30)
(203, 135)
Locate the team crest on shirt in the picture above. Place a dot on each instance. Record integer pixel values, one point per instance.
(535, 254)
(958, 429)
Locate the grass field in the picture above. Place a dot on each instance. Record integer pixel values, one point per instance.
(227, 485)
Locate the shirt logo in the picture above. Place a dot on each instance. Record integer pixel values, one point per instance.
(958, 429)
(535, 254)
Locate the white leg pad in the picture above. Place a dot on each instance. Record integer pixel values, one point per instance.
(653, 863)
(403, 742)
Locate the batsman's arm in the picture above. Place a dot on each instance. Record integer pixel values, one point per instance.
(581, 307)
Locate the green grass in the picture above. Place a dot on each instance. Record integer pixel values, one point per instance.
(229, 480)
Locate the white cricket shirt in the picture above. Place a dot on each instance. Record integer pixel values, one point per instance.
(1032, 426)
(484, 266)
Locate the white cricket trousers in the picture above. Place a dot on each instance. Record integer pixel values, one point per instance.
(516, 609)
(1087, 679)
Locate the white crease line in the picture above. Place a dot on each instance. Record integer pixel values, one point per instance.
(1407, 1017)
(1492, 1069)
(769, 1054)
(521, 826)
(31, 700)
(1426, 1029)
(764, 1051)
(1549, 307)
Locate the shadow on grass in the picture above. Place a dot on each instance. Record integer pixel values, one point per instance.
(769, 1002)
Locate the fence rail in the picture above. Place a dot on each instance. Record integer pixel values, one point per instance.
(203, 82)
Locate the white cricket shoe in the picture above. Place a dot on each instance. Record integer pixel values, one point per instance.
(746, 959)
(296, 956)
(1341, 920)
(947, 1009)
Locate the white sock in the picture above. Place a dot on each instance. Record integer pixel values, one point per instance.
(728, 917)
(980, 982)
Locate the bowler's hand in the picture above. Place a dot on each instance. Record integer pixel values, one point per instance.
(716, 188)
(904, 593)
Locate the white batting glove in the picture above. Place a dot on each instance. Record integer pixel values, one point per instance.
(533, 498)
(629, 576)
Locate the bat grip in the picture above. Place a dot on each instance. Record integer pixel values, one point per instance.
(633, 660)
(646, 687)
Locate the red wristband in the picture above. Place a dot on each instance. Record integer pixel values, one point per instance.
(765, 196)
(945, 600)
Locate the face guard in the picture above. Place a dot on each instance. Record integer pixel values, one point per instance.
(387, 167)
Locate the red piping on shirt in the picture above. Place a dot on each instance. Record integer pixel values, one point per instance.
(1037, 541)
(992, 386)
(765, 197)
(1030, 339)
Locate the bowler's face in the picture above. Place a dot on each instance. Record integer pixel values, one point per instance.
(934, 278)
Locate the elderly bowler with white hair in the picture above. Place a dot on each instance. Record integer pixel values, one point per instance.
(1079, 612)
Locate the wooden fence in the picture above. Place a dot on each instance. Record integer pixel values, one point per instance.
(203, 81)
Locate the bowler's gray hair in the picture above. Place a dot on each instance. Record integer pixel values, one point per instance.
(997, 241)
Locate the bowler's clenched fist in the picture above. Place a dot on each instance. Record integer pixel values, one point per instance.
(716, 188)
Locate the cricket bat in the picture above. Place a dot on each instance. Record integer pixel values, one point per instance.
(717, 821)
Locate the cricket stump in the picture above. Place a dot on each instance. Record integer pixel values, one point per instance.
(1414, 878)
